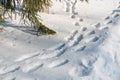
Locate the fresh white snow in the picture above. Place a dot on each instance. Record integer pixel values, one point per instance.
(85, 47)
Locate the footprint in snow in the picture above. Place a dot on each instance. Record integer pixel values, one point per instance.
(78, 37)
(98, 25)
(52, 54)
(71, 36)
(58, 47)
(84, 29)
(118, 7)
(74, 32)
(58, 63)
(9, 69)
(95, 39)
(88, 33)
(25, 57)
(116, 15)
(80, 48)
(90, 39)
(108, 17)
(76, 24)
(91, 32)
(109, 22)
(33, 66)
(76, 40)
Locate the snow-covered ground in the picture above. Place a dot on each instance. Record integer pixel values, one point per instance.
(85, 49)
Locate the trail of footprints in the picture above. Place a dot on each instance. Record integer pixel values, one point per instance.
(9, 69)
(78, 40)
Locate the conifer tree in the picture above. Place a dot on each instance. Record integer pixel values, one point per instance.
(29, 10)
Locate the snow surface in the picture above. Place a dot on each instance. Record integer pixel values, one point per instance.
(84, 48)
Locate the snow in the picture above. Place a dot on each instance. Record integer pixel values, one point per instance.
(85, 47)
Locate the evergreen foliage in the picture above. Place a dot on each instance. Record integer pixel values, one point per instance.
(84, 0)
(29, 10)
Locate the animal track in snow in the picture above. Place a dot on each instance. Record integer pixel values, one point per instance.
(118, 7)
(95, 39)
(25, 57)
(58, 47)
(79, 48)
(33, 66)
(97, 25)
(77, 24)
(52, 54)
(71, 36)
(76, 40)
(9, 69)
(58, 63)
(116, 15)
(91, 39)
(84, 29)
(108, 17)
(89, 33)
